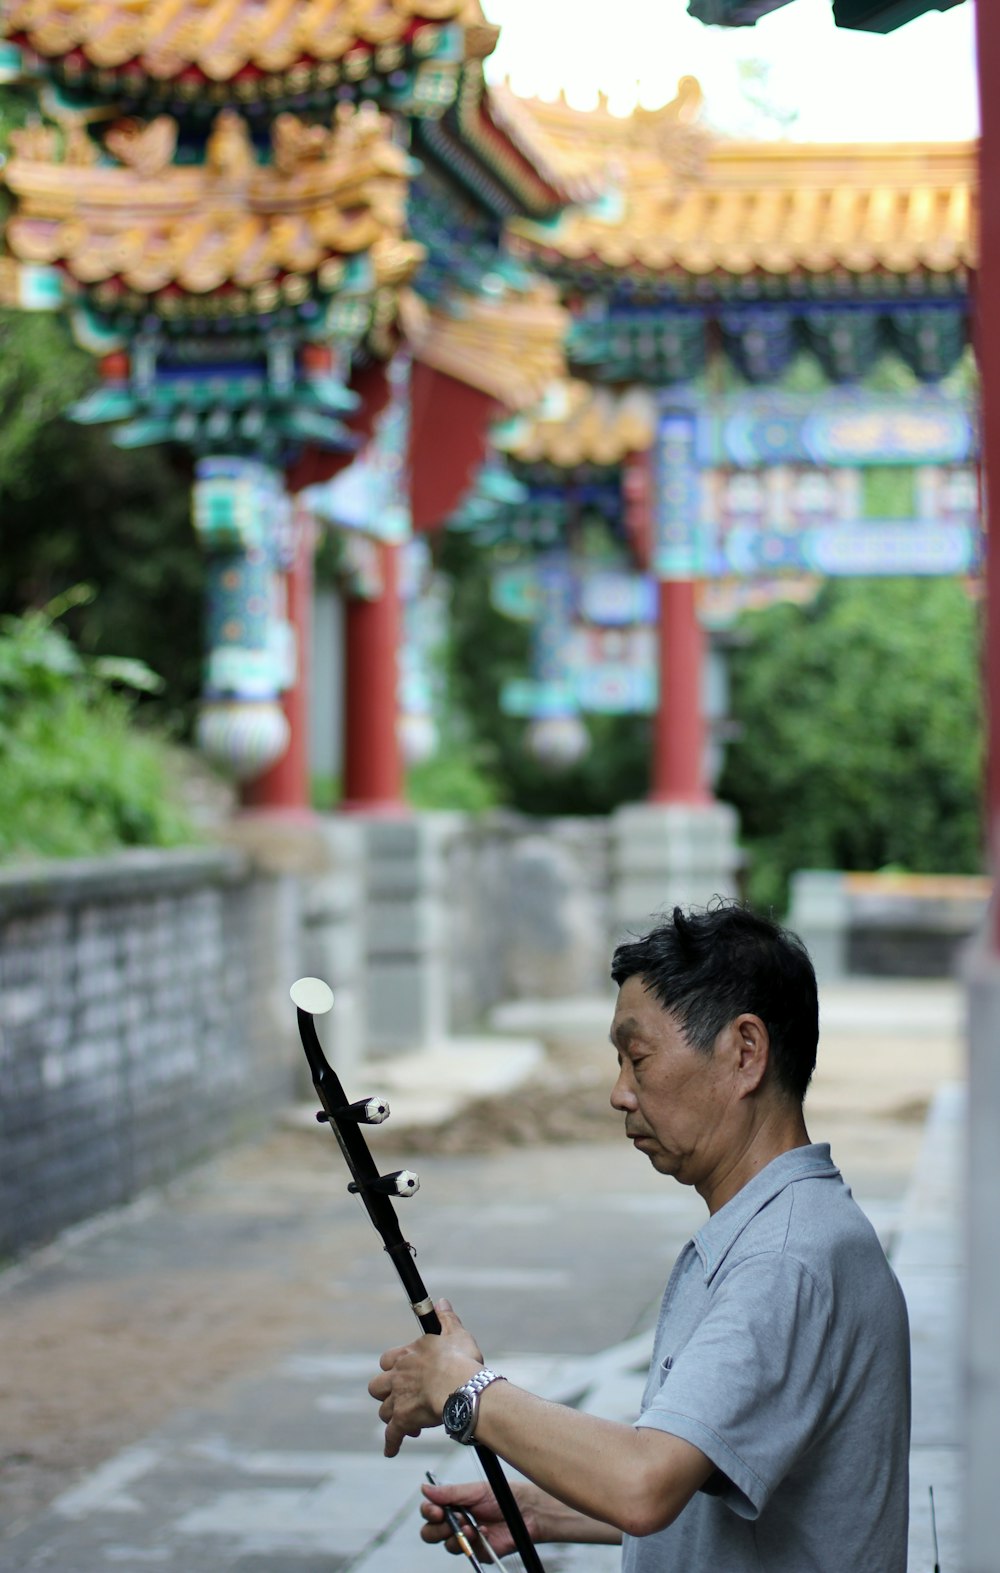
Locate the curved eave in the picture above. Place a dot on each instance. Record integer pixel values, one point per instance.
(496, 157)
(145, 260)
(653, 265)
(508, 128)
(178, 229)
(511, 350)
(599, 428)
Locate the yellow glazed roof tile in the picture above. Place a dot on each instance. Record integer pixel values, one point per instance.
(684, 200)
(217, 37)
(153, 225)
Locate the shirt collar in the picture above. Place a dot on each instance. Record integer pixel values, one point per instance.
(716, 1238)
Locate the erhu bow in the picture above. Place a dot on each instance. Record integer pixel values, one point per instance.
(312, 997)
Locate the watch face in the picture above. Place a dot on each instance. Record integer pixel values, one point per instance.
(457, 1413)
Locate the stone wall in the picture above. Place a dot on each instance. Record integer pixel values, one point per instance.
(141, 1025)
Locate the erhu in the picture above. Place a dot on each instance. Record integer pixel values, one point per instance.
(312, 997)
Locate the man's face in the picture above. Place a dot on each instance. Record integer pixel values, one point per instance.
(674, 1097)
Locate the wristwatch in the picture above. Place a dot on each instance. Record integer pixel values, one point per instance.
(461, 1408)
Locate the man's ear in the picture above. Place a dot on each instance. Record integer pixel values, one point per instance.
(752, 1046)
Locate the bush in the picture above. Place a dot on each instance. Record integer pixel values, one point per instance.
(80, 774)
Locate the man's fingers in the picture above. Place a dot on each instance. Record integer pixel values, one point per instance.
(470, 1496)
(434, 1534)
(390, 1357)
(468, 1493)
(437, 1533)
(395, 1435)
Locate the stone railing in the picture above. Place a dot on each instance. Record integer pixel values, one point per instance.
(144, 1011)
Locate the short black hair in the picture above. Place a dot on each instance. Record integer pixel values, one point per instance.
(707, 966)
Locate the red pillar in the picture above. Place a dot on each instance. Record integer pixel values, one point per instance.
(284, 787)
(373, 766)
(679, 724)
(987, 330)
(679, 737)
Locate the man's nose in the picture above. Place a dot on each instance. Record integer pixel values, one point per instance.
(622, 1095)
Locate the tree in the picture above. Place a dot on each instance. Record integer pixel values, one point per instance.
(861, 733)
(81, 510)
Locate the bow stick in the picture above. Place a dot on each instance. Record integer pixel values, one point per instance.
(312, 997)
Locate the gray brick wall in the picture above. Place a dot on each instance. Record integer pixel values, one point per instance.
(141, 1026)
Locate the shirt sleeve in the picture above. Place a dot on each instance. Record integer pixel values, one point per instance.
(752, 1386)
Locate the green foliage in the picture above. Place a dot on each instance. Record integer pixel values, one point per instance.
(486, 648)
(41, 372)
(73, 508)
(79, 775)
(889, 492)
(861, 733)
(451, 779)
(325, 792)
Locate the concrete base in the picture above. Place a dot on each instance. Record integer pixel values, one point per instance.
(318, 867)
(667, 855)
(981, 1344)
(332, 941)
(818, 914)
(406, 930)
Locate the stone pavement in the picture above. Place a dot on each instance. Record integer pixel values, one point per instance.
(556, 1258)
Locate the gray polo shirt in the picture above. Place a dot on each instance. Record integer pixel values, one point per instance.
(782, 1352)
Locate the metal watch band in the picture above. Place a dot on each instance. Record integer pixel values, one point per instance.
(480, 1382)
(472, 1389)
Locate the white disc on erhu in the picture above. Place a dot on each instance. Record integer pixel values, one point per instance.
(312, 995)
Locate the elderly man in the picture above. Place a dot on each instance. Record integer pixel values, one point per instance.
(774, 1428)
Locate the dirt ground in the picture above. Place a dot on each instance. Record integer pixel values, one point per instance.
(120, 1323)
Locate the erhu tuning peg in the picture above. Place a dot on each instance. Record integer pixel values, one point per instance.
(402, 1182)
(367, 1111)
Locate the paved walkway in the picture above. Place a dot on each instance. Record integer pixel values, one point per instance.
(279, 1470)
(928, 1260)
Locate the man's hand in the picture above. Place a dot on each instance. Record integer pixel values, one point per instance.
(545, 1518)
(479, 1500)
(417, 1378)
